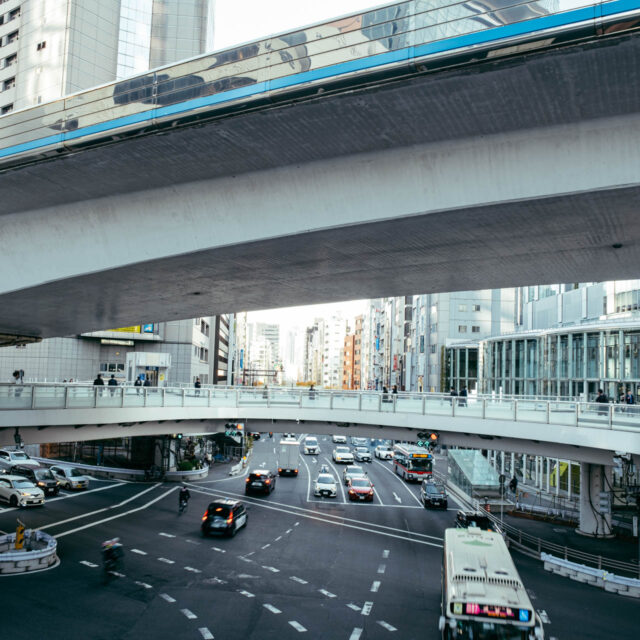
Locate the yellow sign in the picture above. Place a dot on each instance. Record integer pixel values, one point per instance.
(135, 329)
(19, 535)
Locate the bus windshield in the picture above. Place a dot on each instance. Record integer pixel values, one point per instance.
(477, 630)
(419, 464)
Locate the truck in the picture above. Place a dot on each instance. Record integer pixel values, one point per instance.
(288, 457)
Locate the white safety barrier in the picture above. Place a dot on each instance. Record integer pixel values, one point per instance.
(590, 575)
(39, 553)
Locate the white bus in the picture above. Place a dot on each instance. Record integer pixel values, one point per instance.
(412, 462)
(483, 597)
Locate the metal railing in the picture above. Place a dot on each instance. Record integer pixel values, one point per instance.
(566, 413)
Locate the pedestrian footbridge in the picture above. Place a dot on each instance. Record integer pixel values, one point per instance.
(580, 431)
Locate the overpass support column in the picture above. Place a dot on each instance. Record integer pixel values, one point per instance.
(594, 478)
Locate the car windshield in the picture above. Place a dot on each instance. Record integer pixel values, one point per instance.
(43, 474)
(435, 488)
(360, 482)
(19, 455)
(342, 450)
(326, 479)
(311, 441)
(481, 522)
(362, 450)
(355, 471)
(76, 473)
(218, 511)
(23, 484)
(384, 448)
(257, 476)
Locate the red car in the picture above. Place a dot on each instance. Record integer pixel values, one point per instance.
(360, 488)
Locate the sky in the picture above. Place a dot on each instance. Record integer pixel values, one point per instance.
(238, 21)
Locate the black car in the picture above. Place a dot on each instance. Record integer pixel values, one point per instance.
(255, 435)
(465, 519)
(433, 494)
(224, 516)
(42, 478)
(260, 481)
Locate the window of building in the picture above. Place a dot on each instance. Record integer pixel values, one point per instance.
(204, 354)
(433, 348)
(476, 307)
(434, 328)
(12, 37)
(42, 45)
(9, 60)
(112, 367)
(204, 327)
(1, 19)
(462, 307)
(8, 108)
(9, 83)
(14, 14)
(475, 329)
(196, 351)
(462, 328)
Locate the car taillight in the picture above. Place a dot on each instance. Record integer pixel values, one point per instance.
(230, 519)
(370, 492)
(267, 481)
(206, 515)
(247, 480)
(279, 470)
(295, 471)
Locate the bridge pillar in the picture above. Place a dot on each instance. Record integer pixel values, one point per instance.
(594, 478)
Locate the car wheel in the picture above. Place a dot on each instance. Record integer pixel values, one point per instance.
(67, 486)
(246, 519)
(233, 531)
(13, 501)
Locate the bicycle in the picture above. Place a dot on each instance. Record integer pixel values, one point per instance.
(112, 554)
(182, 507)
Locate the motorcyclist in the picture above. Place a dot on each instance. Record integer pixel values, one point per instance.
(184, 495)
(112, 551)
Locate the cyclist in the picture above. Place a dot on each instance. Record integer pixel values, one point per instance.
(183, 498)
(112, 552)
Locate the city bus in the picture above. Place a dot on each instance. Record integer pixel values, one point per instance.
(412, 462)
(482, 595)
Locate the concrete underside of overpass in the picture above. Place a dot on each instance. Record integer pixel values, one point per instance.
(591, 445)
(506, 172)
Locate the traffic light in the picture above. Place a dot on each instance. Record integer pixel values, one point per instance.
(179, 436)
(427, 439)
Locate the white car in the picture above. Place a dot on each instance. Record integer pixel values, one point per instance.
(325, 486)
(20, 492)
(343, 454)
(70, 477)
(383, 452)
(339, 439)
(311, 446)
(362, 454)
(353, 471)
(10, 458)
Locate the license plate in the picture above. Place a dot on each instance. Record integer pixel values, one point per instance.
(362, 497)
(256, 484)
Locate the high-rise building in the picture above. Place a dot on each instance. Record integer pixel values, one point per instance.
(348, 359)
(335, 329)
(52, 48)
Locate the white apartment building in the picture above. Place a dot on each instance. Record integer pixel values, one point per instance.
(335, 330)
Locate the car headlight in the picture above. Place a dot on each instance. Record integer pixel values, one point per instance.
(24, 494)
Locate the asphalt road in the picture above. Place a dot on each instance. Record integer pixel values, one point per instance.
(303, 565)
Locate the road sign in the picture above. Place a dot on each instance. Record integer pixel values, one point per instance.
(19, 535)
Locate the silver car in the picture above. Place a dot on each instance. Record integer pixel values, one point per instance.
(353, 471)
(10, 457)
(362, 454)
(325, 486)
(20, 492)
(70, 477)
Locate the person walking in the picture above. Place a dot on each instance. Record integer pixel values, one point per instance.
(147, 382)
(15, 379)
(312, 392)
(98, 382)
(394, 390)
(138, 384)
(197, 386)
(463, 397)
(602, 400)
(112, 384)
(385, 394)
(453, 393)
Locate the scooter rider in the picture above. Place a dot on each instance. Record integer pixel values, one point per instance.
(184, 494)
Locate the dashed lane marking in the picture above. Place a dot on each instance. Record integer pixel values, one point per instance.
(247, 594)
(299, 580)
(166, 535)
(386, 625)
(139, 552)
(191, 541)
(143, 584)
(188, 614)
(355, 634)
(288, 530)
(296, 524)
(249, 554)
(88, 564)
(324, 592)
(266, 545)
(385, 553)
(354, 607)
(366, 608)
(278, 538)
(117, 574)
(167, 561)
(167, 597)
(205, 633)
(245, 559)
(192, 570)
(375, 586)
(247, 575)
(270, 607)
(219, 550)
(382, 568)
(272, 569)
(297, 626)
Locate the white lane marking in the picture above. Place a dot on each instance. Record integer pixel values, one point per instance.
(296, 524)
(366, 608)
(167, 535)
(324, 592)
(167, 561)
(246, 594)
(340, 484)
(117, 574)
(139, 552)
(205, 633)
(92, 513)
(382, 568)
(245, 559)
(192, 570)
(262, 464)
(191, 541)
(249, 554)
(402, 482)
(84, 493)
(385, 553)
(271, 608)
(143, 584)
(246, 575)
(299, 580)
(355, 607)
(219, 550)
(308, 499)
(278, 538)
(297, 626)
(137, 495)
(355, 634)
(375, 586)
(120, 515)
(397, 497)
(266, 545)
(272, 569)
(167, 597)
(88, 564)
(188, 614)
(386, 625)
(371, 527)
(543, 616)
(288, 530)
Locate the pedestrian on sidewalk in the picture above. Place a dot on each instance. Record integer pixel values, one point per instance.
(312, 392)
(453, 393)
(513, 484)
(138, 384)
(463, 397)
(602, 400)
(197, 386)
(112, 384)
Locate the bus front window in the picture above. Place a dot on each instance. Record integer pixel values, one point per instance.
(475, 630)
(420, 464)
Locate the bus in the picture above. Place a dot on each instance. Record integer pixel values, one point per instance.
(482, 595)
(412, 462)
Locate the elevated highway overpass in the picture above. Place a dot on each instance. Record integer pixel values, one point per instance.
(408, 149)
(585, 432)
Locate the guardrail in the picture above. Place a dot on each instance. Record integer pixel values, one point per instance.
(567, 413)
